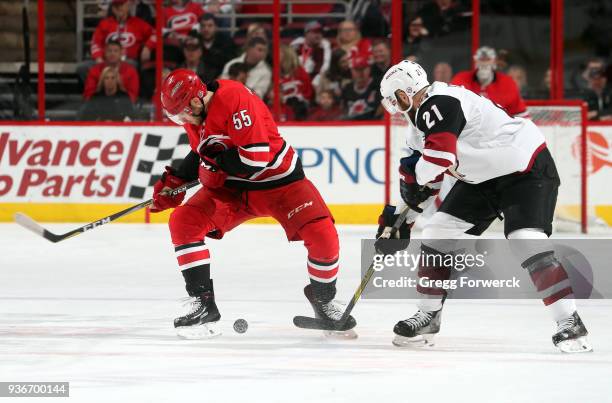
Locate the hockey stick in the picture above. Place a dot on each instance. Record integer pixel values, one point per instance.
(33, 226)
(306, 322)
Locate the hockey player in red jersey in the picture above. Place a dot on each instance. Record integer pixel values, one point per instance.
(246, 170)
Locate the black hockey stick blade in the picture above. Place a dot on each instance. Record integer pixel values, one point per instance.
(305, 322)
(33, 226)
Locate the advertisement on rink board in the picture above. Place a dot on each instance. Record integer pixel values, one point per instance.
(79, 173)
(68, 165)
(599, 169)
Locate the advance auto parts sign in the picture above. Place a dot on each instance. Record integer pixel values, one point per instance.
(88, 164)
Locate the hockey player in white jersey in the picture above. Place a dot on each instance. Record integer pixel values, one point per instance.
(504, 169)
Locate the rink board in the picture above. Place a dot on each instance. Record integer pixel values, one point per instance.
(77, 173)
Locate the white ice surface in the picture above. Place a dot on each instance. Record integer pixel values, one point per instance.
(97, 311)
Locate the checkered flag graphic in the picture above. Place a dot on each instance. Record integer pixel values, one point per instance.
(157, 152)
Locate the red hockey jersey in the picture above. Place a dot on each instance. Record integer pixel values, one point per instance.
(258, 157)
(363, 49)
(127, 73)
(181, 20)
(133, 35)
(297, 85)
(503, 91)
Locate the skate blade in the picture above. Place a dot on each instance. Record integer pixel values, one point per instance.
(199, 332)
(421, 341)
(341, 334)
(579, 345)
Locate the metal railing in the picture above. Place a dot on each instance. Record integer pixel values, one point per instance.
(94, 9)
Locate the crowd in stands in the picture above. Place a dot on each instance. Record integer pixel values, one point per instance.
(330, 70)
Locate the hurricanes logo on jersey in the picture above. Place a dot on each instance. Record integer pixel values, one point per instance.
(358, 107)
(181, 21)
(126, 39)
(291, 89)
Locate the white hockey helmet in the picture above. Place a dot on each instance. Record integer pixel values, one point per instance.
(406, 76)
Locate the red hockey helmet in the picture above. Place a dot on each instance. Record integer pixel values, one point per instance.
(179, 88)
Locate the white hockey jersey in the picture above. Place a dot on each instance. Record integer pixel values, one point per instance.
(471, 137)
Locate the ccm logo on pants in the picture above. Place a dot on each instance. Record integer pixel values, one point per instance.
(298, 209)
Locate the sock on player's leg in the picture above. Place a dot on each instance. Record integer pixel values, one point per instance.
(200, 319)
(321, 241)
(420, 329)
(431, 297)
(552, 282)
(194, 261)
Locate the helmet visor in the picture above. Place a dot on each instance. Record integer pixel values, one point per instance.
(390, 104)
(182, 118)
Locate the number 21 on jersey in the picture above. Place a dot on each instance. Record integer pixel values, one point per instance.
(430, 120)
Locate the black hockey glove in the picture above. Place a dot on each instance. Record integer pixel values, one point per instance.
(401, 239)
(412, 193)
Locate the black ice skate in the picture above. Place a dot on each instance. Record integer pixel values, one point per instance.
(419, 330)
(201, 320)
(571, 336)
(331, 311)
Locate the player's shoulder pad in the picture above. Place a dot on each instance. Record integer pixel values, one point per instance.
(440, 113)
(227, 94)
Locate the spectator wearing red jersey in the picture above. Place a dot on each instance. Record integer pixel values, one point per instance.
(180, 18)
(349, 39)
(327, 108)
(134, 34)
(497, 86)
(128, 80)
(295, 86)
(314, 51)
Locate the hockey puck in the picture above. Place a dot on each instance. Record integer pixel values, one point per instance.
(241, 325)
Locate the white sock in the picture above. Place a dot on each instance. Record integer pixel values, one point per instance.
(562, 309)
(430, 304)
